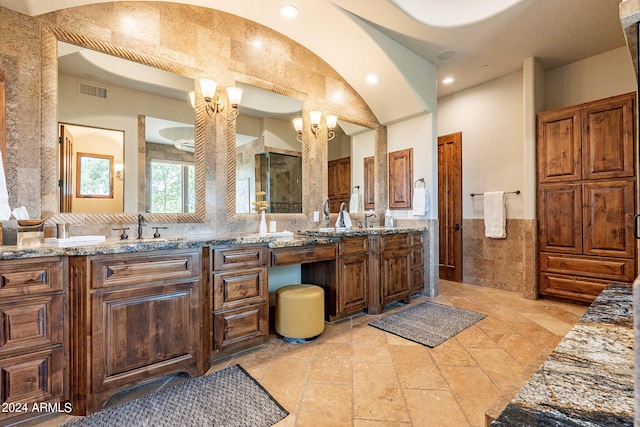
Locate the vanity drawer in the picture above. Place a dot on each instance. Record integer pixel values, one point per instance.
(239, 257)
(236, 288)
(127, 269)
(395, 241)
(240, 328)
(417, 239)
(618, 269)
(577, 288)
(303, 255)
(354, 245)
(31, 276)
(31, 323)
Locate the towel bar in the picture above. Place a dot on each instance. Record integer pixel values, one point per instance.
(506, 192)
(415, 184)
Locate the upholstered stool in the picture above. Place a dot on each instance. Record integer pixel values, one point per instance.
(300, 312)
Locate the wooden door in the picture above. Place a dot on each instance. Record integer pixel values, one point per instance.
(369, 190)
(401, 179)
(66, 169)
(608, 139)
(339, 182)
(450, 206)
(559, 145)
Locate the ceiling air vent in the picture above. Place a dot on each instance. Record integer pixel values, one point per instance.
(91, 90)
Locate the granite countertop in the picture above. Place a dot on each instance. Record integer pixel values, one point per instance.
(164, 243)
(588, 379)
(362, 231)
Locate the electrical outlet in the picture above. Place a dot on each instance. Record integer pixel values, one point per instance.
(316, 216)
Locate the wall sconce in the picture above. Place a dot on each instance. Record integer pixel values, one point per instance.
(214, 102)
(118, 168)
(315, 117)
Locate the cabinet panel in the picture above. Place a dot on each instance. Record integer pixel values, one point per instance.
(241, 327)
(618, 269)
(392, 242)
(608, 139)
(578, 288)
(118, 270)
(31, 322)
(139, 332)
(395, 276)
(560, 215)
(303, 255)
(353, 283)
(559, 145)
(35, 377)
(31, 276)
(609, 210)
(235, 288)
(354, 245)
(401, 178)
(239, 257)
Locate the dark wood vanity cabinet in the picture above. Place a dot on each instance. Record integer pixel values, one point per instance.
(416, 282)
(354, 274)
(143, 314)
(239, 298)
(33, 344)
(395, 268)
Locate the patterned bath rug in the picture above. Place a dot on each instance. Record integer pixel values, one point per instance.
(230, 397)
(428, 323)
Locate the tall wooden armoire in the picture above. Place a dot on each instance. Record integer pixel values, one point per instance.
(586, 197)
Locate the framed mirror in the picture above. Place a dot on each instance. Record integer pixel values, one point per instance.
(99, 75)
(350, 174)
(265, 155)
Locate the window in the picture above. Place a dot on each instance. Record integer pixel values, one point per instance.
(173, 187)
(95, 178)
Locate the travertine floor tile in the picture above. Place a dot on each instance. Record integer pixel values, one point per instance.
(434, 408)
(416, 368)
(326, 405)
(498, 365)
(377, 394)
(332, 363)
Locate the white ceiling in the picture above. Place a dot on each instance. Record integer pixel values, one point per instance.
(357, 37)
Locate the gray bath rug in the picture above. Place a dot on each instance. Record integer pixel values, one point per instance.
(428, 323)
(230, 397)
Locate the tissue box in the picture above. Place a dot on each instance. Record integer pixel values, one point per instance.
(9, 232)
(30, 232)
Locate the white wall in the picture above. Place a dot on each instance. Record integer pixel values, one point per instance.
(417, 133)
(490, 117)
(601, 76)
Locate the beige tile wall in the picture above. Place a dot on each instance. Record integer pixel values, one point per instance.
(508, 264)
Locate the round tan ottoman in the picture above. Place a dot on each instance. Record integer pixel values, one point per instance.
(299, 312)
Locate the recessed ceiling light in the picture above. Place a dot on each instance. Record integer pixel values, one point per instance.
(288, 11)
(257, 43)
(447, 54)
(448, 80)
(372, 79)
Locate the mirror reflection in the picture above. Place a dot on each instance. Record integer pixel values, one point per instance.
(96, 90)
(350, 167)
(268, 154)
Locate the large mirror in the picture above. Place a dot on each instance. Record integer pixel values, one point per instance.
(269, 155)
(350, 167)
(150, 107)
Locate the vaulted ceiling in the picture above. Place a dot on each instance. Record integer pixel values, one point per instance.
(412, 44)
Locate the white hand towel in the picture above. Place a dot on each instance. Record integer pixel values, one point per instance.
(354, 203)
(347, 220)
(495, 220)
(420, 201)
(5, 210)
(20, 213)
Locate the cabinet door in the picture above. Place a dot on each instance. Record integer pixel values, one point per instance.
(143, 332)
(240, 328)
(353, 279)
(401, 178)
(608, 215)
(559, 145)
(608, 139)
(395, 275)
(237, 288)
(560, 214)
